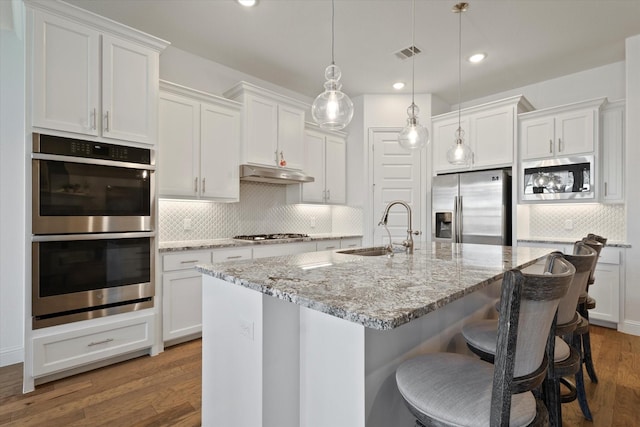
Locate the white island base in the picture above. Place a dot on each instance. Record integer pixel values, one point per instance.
(271, 363)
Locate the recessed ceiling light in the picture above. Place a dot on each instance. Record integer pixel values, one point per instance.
(398, 85)
(248, 3)
(477, 57)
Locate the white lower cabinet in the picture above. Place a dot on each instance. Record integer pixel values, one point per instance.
(182, 290)
(328, 245)
(72, 345)
(350, 242)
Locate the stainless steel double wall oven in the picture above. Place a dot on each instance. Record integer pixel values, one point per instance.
(93, 215)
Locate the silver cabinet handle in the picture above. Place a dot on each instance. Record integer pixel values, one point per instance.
(559, 145)
(550, 146)
(94, 120)
(605, 189)
(234, 257)
(353, 245)
(108, 340)
(106, 121)
(191, 261)
(328, 194)
(204, 184)
(329, 247)
(195, 184)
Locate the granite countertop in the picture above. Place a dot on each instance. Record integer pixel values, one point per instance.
(561, 241)
(189, 245)
(378, 292)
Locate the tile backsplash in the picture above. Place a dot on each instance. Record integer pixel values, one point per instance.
(262, 209)
(552, 221)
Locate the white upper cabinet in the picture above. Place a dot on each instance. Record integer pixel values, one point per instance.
(325, 161)
(612, 143)
(199, 149)
(560, 131)
(490, 131)
(90, 75)
(272, 127)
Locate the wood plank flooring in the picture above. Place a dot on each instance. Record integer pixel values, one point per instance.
(165, 391)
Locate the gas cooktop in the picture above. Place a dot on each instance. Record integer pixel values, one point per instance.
(276, 236)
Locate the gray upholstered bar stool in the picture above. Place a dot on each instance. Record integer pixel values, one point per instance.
(481, 337)
(449, 389)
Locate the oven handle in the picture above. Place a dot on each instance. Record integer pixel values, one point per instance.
(99, 162)
(91, 236)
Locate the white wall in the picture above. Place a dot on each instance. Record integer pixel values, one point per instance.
(12, 184)
(187, 69)
(630, 313)
(606, 81)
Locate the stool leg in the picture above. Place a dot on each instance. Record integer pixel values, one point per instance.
(581, 393)
(586, 350)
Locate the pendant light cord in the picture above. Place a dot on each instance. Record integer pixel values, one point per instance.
(413, 57)
(459, 64)
(333, 17)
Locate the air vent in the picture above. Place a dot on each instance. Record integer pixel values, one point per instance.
(408, 52)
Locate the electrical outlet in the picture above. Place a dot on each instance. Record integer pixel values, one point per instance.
(246, 329)
(186, 224)
(568, 224)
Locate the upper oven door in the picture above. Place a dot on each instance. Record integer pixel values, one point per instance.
(73, 194)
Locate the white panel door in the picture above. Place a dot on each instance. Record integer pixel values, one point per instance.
(396, 176)
(575, 132)
(179, 146)
(65, 75)
(492, 138)
(219, 152)
(291, 136)
(261, 127)
(537, 138)
(129, 90)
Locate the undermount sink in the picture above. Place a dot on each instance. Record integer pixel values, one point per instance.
(372, 251)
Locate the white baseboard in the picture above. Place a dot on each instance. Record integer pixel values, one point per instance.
(11, 356)
(630, 327)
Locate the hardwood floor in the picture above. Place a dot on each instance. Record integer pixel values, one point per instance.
(165, 390)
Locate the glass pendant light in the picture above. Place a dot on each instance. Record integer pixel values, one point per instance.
(332, 109)
(413, 136)
(459, 153)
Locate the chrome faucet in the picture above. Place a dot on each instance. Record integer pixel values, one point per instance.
(408, 243)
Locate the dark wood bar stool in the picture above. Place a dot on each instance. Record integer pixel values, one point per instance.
(481, 338)
(448, 389)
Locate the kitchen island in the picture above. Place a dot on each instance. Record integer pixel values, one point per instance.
(314, 339)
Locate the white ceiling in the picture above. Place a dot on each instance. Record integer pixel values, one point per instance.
(288, 42)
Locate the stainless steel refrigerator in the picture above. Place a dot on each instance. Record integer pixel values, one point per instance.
(472, 207)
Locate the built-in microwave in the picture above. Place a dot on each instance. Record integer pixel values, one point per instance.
(566, 178)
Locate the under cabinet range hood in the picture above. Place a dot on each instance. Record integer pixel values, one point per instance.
(273, 175)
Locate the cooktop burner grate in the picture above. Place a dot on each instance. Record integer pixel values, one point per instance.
(274, 236)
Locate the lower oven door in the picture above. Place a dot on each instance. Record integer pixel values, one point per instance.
(77, 277)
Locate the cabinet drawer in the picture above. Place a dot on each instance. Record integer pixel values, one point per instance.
(230, 254)
(328, 245)
(185, 260)
(609, 256)
(351, 242)
(66, 350)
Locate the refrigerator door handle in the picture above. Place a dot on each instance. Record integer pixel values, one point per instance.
(455, 219)
(459, 220)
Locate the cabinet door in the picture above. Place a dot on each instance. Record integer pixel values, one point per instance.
(575, 132)
(335, 170)
(219, 152)
(129, 90)
(261, 127)
(314, 192)
(181, 304)
(179, 142)
(291, 136)
(492, 138)
(612, 181)
(443, 137)
(537, 138)
(65, 75)
(328, 245)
